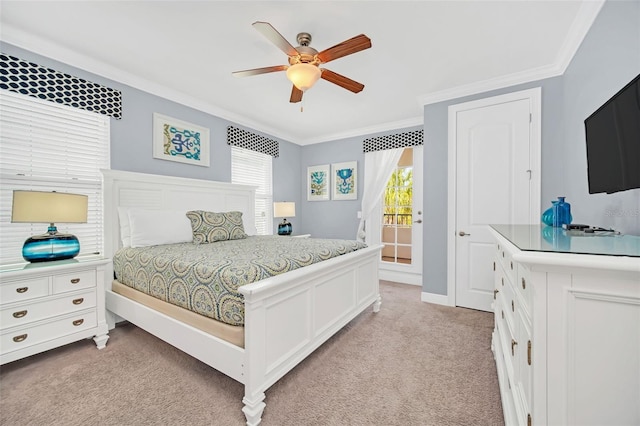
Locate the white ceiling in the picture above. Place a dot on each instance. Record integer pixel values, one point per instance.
(423, 52)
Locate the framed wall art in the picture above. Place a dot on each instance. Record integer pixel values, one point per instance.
(318, 183)
(344, 178)
(177, 140)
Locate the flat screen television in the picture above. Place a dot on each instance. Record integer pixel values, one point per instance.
(613, 142)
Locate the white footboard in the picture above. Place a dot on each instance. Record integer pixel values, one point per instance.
(287, 317)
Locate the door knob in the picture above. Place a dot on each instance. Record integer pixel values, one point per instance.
(463, 234)
(418, 221)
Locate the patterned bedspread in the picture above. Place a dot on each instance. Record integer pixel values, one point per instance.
(204, 278)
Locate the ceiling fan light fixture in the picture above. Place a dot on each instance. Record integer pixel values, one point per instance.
(303, 76)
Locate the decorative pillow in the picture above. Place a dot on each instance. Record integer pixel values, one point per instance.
(155, 227)
(209, 227)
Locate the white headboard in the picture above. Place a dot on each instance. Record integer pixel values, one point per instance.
(129, 189)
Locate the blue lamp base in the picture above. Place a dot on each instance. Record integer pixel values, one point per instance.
(50, 246)
(285, 228)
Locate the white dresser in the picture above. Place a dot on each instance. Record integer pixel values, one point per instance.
(567, 326)
(50, 304)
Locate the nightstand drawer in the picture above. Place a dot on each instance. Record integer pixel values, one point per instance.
(20, 314)
(17, 291)
(74, 281)
(21, 337)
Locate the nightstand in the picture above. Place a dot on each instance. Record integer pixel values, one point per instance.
(50, 304)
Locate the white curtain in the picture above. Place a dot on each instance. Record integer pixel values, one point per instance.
(378, 167)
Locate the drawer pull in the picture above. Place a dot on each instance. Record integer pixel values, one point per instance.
(513, 345)
(75, 280)
(524, 284)
(78, 322)
(495, 292)
(20, 314)
(502, 254)
(78, 301)
(22, 289)
(20, 338)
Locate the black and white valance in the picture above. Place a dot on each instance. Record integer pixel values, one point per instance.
(31, 79)
(248, 140)
(397, 140)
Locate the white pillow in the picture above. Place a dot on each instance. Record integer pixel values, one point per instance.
(154, 227)
(125, 226)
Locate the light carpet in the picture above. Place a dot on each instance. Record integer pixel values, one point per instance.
(413, 363)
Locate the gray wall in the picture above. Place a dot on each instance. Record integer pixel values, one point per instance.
(608, 58)
(335, 219)
(131, 137)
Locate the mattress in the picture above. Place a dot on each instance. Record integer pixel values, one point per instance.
(204, 278)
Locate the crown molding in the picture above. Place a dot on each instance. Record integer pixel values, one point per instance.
(584, 20)
(363, 131)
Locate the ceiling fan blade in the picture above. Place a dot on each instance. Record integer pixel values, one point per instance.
(256, 71)
(267, 30)
(347, 47)
(296, 95)
(341, 81)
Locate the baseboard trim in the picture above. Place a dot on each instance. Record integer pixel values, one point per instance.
(438, 299)
(399, 277)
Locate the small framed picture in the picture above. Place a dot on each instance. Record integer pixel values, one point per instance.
(345, 180)
(318, 183)
(177, 140)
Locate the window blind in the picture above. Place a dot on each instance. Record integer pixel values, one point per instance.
(50, 147)
(254, 168)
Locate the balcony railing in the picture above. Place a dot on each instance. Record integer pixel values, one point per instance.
(403, 219)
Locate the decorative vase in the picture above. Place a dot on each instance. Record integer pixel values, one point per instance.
(558, 214)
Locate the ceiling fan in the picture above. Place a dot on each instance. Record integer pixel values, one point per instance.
(304, 61)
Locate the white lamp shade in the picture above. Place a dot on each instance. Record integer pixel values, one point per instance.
(48, 207)
(303, 76)
(284, 209)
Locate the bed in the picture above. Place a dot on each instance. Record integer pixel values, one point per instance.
(286, 317)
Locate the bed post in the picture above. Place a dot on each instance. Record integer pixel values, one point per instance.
(253, 408)
(377, 303)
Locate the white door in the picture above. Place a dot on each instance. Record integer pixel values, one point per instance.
(401, 218)
(494, 156)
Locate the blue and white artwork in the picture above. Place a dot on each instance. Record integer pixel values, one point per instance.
(345, 181)
(318, 179)
(177, 140)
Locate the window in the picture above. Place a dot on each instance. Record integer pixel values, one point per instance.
(254, 168)
(46, 146)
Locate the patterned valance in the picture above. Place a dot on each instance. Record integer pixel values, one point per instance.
(397, 140)
(33, 80)
(248, 140)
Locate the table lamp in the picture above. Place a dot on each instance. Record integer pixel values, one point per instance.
(284, 210)
(49, 207)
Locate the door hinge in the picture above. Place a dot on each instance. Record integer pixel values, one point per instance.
(530, 117)
(529, 352)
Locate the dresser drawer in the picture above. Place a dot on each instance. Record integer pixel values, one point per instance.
(15, 291)
(74, 281)
(21, 337)
(26, 313)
